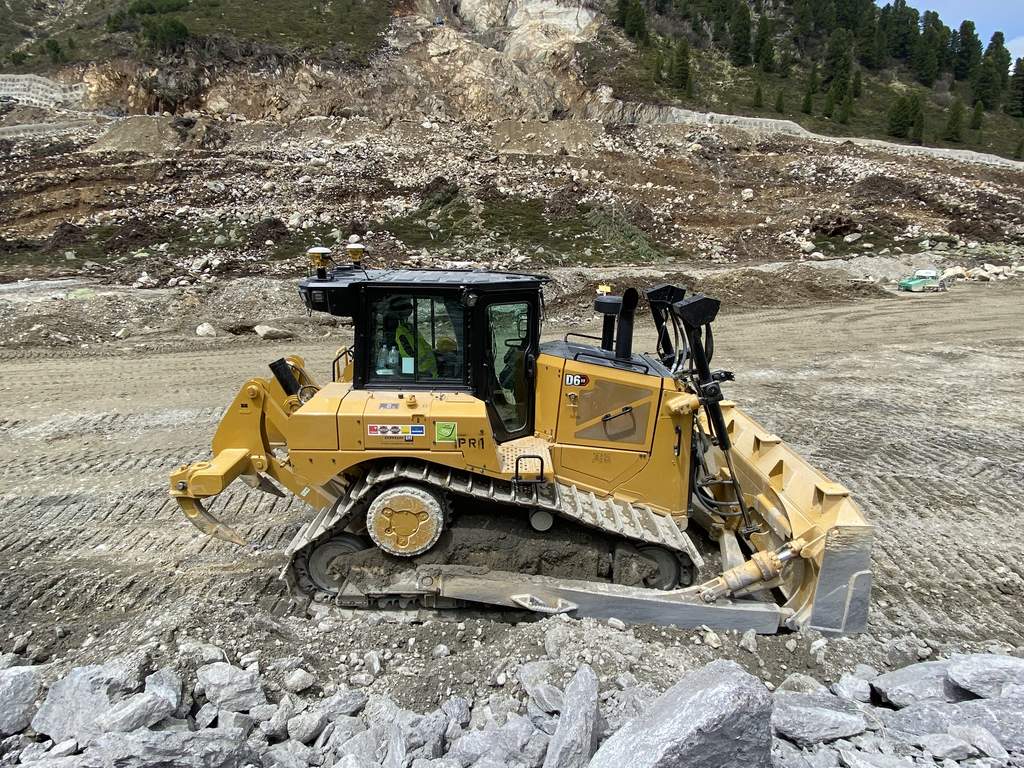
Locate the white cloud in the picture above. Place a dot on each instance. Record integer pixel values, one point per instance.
(1016, 47)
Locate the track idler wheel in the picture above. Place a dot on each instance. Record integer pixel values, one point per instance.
(311, 564)
(405, 520)
(652, 567)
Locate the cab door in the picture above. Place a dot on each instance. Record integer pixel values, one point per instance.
(509, 369)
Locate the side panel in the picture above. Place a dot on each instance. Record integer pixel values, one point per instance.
(604, 407)
(314, 426)
(549, 389)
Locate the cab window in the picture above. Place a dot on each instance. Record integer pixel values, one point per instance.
(417, 339)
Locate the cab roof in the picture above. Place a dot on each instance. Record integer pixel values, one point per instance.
(336, 293)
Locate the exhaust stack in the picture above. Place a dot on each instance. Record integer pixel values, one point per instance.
(624, 334)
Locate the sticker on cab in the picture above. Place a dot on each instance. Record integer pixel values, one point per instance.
(446, 432)
(396, 430)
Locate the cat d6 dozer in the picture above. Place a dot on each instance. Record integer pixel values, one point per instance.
(454, 460)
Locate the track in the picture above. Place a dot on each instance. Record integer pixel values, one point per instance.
(916, 404)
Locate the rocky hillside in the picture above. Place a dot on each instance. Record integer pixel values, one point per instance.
(841, 72)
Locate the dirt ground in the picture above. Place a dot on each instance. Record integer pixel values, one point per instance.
(915, 403)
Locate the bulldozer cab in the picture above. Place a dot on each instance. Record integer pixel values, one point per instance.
(442, 331)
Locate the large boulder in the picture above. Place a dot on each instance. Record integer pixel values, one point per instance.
(535, 677)
(139, 711)
(716, 717)
(575, 737)
(986, 674)
(1003, 718)
(230, 687)
(812, 718)
(19, 687)
(75, 702)
(916, 683)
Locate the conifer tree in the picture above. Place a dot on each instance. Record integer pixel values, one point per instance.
(830, 104)
(739, 30)
(780, 101)
(636, 21)
(917, 129)
(659, 66)
(1018, 153)
(845, 109)
(988, 83)
(901, 117)
(955, 122)
(857, 87)
(679, 74)
(758, 100)
(968, 51)
(764, 47)
(808, 104)
(1001, 58)
(1015, 91)
(977, 116)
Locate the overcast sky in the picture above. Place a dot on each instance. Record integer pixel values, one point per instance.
(989, 15)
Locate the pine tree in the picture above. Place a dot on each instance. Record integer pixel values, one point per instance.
(857, 87)
(838, 63)
(780, 101)
(1001, 57)
(659, 67)
(1018, 153)
(845, 109)
(636, 21)
(968, 51)
(739, 29)
(901, 117)
(808, 104)
(830, 104)
(758, 101)
(917, 128)
(621, 12)
(1015, 91)
(955, 122)
(813, 83)
(987, 83)
(764, 47)
(679, 74)
(803, 23)
(977, 116)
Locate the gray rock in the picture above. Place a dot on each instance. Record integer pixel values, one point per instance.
(535, 677)
(865, 672)
(1003, 718)
(353, 761)
(165, 683)
(916, 683)
(716, 717)
(35, 750)
(853, 759)
(288, 754)
(270, 333)
(986, 674)
(342, 729)
(237, 720)
(63, 749)
(361, 680)
(230, 687)
(306, 727)
(368, 745)
(853, 688)
(798, 682)
(457, 710)
(372, 662)
(8, 660)
(823, 756)
(812, 718)
(277, 726)
(75, 702)
(139, 711)
(344, 702)
(475, 744)
(298, 680)
(205, 329)
(263, 712)
(785, 755)
(981, 739)
(425, 736)
(574, 740)
(168, 749)
(19, 687)
(206, 715)
(943, 746)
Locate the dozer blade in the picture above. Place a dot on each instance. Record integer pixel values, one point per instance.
(828, 586)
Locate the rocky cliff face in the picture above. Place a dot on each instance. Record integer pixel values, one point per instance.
(479, 59)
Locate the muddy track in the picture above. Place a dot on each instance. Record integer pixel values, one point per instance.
(916, 404)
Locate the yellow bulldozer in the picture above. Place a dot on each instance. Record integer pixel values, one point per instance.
(455, 460)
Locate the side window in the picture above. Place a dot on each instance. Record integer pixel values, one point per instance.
(417, 339)
(509, 328)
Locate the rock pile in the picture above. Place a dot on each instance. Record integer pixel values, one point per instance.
(966, 710)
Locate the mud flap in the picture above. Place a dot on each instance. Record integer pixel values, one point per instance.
(843, 591)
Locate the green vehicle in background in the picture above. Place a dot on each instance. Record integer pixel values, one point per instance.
(923, 280)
